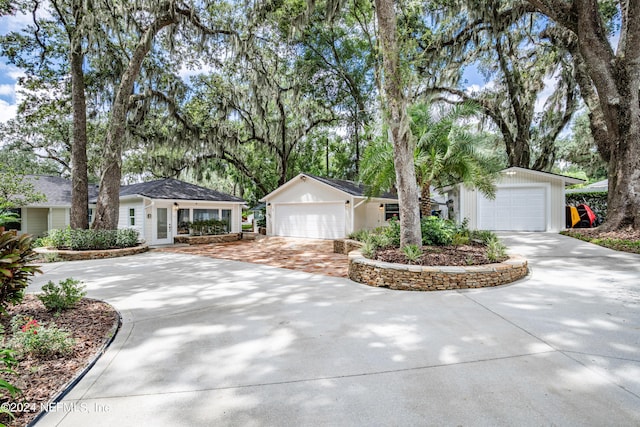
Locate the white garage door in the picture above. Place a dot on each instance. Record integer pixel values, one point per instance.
(514, 209)
(312, 220)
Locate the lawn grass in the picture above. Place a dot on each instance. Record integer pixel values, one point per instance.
(623, 245)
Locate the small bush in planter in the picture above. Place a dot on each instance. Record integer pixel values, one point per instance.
(62, 296)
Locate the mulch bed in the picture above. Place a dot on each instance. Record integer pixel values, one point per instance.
(463, 255)
(91, 323)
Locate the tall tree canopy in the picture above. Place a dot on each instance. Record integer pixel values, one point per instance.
(609, 80)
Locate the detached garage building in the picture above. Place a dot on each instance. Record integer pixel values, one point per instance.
(526, 200)
(324, 208)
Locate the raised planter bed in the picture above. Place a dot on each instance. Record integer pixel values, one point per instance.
(65, 255)
(418, 278)
(202, 240)
(344, 246)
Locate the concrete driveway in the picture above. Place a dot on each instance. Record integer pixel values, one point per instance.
(215, 342)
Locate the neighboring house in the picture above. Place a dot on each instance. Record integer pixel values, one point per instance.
(526, 200)
(159, 210)
(315, 207)
(596, 187)
(38, 218)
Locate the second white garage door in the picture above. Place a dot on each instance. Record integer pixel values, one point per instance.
(311, 220)
(514, 209)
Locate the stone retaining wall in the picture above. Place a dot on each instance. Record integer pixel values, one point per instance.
(344, 246)
(96, 254)
(201, 240)
(419, 278)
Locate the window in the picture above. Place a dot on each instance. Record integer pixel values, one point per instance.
(17, 225)
(90, 212)
(205, 214)
(391, 210)
(183, 221)
(132, 216)
(226, 219)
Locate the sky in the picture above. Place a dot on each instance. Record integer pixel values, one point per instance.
(8, 73)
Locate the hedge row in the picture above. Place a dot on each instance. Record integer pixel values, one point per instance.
(83, 240)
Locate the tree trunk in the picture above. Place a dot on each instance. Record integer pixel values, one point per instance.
(616, 79)
(79, 217)
(108, 204)
(397, 119)
(425, 200)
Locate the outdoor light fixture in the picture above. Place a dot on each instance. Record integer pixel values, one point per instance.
(381, 206)
(346, 202)
(302, 177)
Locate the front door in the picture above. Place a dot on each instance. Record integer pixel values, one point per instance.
(162, 230)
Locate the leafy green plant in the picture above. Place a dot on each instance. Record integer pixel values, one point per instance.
(437, 231)
(60, 238)
(412, 253)
(380, 241)
(460, 239)
(482, 236)
(368, 250)
(496, 251)
(62, 296)
(360, 235)
(35, 339)
(392, 231)
(80, 240)
(7, 362)
(15, 268)
(127, 237)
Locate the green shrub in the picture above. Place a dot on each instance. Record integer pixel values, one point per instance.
(482, 236)
(368, 250)
(127, 237)
(360, 235)
(412, 253)
(15, 270)
(380, 241)
(81, 240)
(42, 242)
(460, 238)
(60, 238)
(392, 231)
(62, 296)
(437, 231)
(496, 251)
(32, 338)
(7, 362)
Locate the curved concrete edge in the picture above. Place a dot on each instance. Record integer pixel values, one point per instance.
(434, 278)
(76, 379)
(66, 255)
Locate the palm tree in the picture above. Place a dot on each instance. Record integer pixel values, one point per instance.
(446, 153)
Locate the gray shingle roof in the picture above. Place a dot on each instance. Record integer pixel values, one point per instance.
(177, 190)
(350, 187)
(56, 189)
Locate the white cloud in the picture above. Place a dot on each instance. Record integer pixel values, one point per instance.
(15, 22)
(7, 90)
(7, 111)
